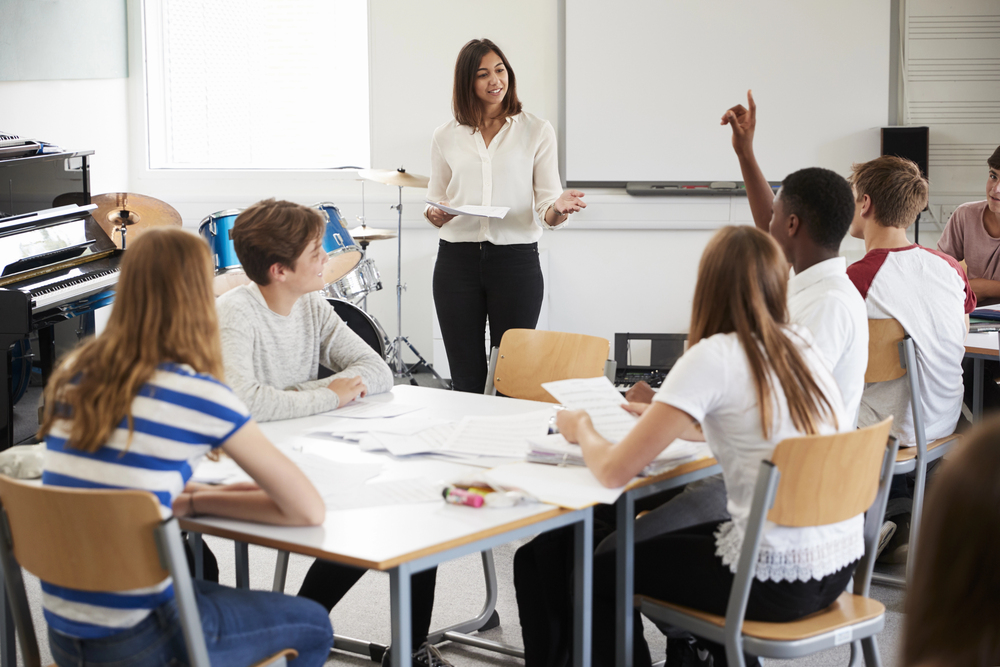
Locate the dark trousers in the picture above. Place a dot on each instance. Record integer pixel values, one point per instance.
(679, 567)
(474, 282)
(328, 582)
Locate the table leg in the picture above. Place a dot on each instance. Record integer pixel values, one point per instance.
(280, 572)
(8, 636)
(198, 549)
(402, 623)
(977, 390)
(242, 564)
(624, 581)
(583, 579)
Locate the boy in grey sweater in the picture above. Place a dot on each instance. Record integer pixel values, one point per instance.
(277, 330)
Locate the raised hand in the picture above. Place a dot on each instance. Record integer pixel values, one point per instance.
(743, 121)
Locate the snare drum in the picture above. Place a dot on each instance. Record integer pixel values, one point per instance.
(361, 323)
(342, 253)
(360, 282)
(217, 230)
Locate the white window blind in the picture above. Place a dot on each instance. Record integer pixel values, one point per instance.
(257, 84)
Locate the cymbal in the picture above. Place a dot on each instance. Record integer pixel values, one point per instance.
(397, 177)
(142, 213)
(372, 234)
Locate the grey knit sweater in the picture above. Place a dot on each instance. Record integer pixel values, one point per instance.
(271, 361)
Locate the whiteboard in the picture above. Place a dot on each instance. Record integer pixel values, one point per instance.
(647, 82)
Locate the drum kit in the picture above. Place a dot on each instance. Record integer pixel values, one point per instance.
(349, 275)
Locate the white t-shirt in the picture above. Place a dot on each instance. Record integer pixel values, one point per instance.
(927, 292)
(823, 300)
(712, 383)
(519, 169)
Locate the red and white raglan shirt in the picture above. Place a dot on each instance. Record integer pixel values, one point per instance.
(927, 292)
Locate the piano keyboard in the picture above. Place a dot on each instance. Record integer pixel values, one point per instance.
(61, 290)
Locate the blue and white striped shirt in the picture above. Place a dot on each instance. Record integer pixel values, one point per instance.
(178, 417)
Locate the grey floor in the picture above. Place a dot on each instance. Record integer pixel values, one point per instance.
(364, 612)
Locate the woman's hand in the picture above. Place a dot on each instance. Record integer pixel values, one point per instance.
(438, 217)
(569, 422)
(636, 408)
(570, 201)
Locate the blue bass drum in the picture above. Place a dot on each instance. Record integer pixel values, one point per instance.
(217, 230)
(343, 254)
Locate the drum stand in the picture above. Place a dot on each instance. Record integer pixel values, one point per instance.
(394, 355)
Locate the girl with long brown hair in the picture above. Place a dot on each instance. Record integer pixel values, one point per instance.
(748, 380)
(136, 408)
(493, 153)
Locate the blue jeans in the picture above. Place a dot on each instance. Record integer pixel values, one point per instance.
(241, 628)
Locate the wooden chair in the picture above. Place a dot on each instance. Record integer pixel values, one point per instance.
(528, 357)
(891, 355)
(94, 540)
(823, 480)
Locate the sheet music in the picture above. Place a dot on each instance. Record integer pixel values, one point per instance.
(573, 487)
(601, 401)
(475, 211)
(407, 424)
(380, 494)
(505, 436)
(428, 440)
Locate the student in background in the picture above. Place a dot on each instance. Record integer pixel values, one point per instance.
(749, 380)
(952, 619)
(973, 235)
(276, 332)
(137, 408)
(491, 154)
(927, 292)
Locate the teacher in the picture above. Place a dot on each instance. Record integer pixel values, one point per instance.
(491, 154)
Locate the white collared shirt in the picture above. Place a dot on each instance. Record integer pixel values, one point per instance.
(824, 300)
(519, 169)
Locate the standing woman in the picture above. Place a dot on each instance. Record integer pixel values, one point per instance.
(491, 154)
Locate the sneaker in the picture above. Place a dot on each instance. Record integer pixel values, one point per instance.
(686, 652)
(897, 549)
(884, 535)
(428, 655)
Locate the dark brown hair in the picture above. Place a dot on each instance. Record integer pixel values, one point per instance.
(994, 160)
(468, 109)
(272, 232)
(895, 186)
(952, 616)
(742, 287)
(164, 311)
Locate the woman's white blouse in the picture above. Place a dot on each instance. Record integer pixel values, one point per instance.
(520, 170)
(712, 383)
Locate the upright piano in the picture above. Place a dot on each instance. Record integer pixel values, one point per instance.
(56, 262)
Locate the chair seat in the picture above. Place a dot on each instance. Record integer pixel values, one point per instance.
(280, 658)
(847, 610)
(910, 453)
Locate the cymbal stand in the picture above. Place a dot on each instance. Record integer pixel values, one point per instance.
(395, 352)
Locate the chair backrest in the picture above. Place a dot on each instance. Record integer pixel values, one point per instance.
(528, 357)
(828, 478)
(884, 364)
(86, 539)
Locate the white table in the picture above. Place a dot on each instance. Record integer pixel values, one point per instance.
(405, 539)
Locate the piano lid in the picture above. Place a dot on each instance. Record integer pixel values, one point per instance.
(37, 243)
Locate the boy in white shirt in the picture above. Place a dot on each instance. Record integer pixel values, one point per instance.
(927, 292)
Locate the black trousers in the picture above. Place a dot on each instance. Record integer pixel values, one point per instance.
(328, 582)
(679, 567)
(474, 282)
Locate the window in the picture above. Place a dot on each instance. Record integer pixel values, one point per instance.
(257, 84)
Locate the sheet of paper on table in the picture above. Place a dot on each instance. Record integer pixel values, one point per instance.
(572, 487)
(407, 424)
(364, 408)
(401, 444)
(380, 494)
(475, 211)
(601, 401)
(555, 450)
(505, 436)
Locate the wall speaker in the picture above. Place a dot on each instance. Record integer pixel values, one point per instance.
(907, 142)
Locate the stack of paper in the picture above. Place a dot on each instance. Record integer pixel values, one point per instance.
(555, 450)
(495, 438)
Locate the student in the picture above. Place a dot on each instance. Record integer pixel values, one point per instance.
(749, 379)
(973, 235)
(951, 617)
(276, 331)
(927, 292)
(136, 408)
